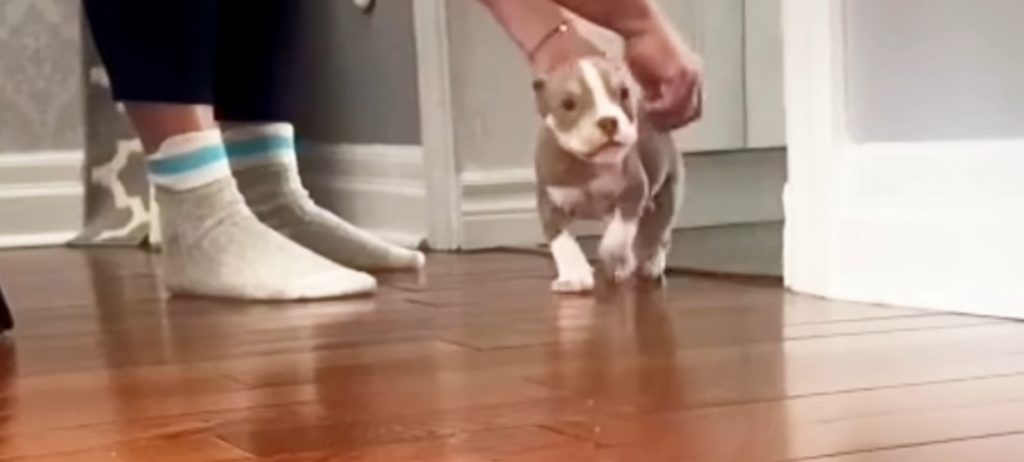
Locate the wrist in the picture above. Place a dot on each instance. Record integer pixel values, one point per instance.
(539, 53)
(640, 27)
(561, 45)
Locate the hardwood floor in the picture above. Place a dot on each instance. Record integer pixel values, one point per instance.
(476, 361)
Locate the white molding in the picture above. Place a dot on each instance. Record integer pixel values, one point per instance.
(815, 129)
(377, 187)
(932, 225)
(499, 206)
(733, 187)
(430, 20)
(23, 241)
(499, 209)
(41, 198)
(32, 168)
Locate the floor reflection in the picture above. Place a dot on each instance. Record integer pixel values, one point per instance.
(660, 369)
(449, 356)
(8, 399)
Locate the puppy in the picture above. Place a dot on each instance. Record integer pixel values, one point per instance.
(598, 158)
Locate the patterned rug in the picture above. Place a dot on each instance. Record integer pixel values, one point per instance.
(119, 206)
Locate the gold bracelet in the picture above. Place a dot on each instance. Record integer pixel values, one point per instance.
(561, 28)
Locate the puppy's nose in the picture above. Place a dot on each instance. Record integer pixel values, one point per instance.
(608, 125)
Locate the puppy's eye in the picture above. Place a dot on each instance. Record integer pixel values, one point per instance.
(624, 93)
(569, 104)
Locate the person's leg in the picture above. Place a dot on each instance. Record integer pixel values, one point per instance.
(6, 318)
(160, 57)
(254, 83)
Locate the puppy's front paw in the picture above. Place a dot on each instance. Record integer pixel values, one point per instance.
(573, 284)
(619, 261)
(624, 269)
(614, 252)
(616, 248)
(653, 268)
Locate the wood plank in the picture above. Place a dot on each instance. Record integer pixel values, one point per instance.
(993, 449)
(485, 446)
(475, 360)
(818, 426)
(171, 449)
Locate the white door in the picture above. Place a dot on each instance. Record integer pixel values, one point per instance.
(906, 152)
(479, 122)
(715, 29)
(736, 164)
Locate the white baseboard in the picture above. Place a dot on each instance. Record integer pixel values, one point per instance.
(377, 187)
(499, 207)
(33, 240)
(41, 198)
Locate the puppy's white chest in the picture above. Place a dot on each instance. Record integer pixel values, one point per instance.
(566, 197)
(606, 185)
(594, 199)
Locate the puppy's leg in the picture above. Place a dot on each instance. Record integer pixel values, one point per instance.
(616, 247)
(617, 243)
(654, 237)
(574, 271)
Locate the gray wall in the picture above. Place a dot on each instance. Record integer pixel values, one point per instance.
(359, 73)
(40, 90)
(935, 69)
(495, 119)
(494, 114)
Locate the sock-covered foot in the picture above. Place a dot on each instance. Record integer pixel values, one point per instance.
(263, 159)
(213, 245)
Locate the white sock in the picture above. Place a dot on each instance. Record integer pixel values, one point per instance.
(263, 159)
(213, 245)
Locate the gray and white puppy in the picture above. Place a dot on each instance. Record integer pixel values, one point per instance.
(598, 158)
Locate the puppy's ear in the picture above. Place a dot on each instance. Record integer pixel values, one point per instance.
(540, 87)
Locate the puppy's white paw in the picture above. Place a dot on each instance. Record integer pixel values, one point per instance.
(574, 271)
(654, 266)
(573, 284)
(616, 248)
(624, 269)
(618, 259)
(612, 252)
(615, 251)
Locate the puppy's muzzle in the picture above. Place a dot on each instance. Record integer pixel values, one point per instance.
(609, 126)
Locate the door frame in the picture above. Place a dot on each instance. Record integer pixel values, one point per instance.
(933, 225)
(443, 215)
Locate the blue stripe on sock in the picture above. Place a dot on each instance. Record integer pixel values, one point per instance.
(188, 162)
(266, 146)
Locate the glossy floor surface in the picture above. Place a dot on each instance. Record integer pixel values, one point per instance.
(475, 361)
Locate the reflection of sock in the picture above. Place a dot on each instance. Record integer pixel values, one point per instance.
(214, 246)
(263, 158)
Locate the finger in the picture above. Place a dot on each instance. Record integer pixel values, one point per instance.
(696, 108)
(693, 108)
(675, 107)
(664, 110)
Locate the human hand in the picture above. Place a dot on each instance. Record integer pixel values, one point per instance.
(670, 73)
